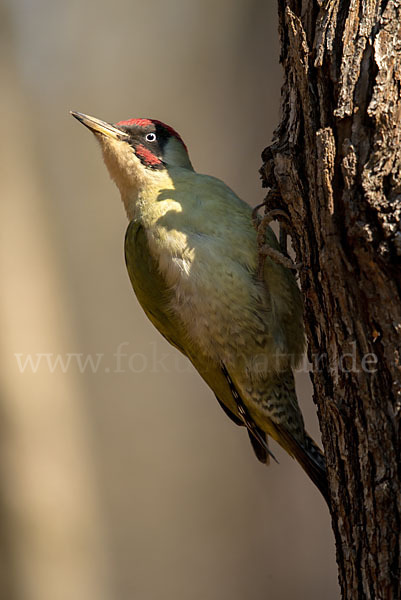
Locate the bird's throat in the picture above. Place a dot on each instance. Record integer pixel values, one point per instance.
(149, 197)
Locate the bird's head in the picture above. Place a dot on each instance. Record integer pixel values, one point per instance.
(137, 151)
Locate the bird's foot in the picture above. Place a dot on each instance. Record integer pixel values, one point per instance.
(279, 257)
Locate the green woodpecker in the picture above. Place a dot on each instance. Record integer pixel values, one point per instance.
(191, 255)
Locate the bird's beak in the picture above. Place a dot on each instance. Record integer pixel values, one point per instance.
(99, 127)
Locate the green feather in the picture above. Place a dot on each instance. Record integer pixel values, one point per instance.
(275, 392)
(149, 285)
(154, 296)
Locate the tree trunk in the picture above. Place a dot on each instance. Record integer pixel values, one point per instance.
(335, 167)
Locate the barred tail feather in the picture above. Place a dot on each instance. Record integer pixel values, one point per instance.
(311, 459)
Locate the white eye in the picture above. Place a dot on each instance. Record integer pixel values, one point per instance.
(150, 137)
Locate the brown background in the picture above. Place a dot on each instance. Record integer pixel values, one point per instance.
(131, 484)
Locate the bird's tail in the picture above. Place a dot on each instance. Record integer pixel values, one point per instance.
(285, 425)
(312, 460)
(310, 457)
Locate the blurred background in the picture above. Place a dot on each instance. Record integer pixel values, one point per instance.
(120, 476)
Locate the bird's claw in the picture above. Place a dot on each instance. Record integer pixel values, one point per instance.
(279, 258)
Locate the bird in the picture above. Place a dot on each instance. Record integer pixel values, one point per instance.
(192, 257)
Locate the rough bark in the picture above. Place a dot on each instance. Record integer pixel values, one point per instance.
(335, 167)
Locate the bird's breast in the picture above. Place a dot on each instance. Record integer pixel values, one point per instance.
(218, 300)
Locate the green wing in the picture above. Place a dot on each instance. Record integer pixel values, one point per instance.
(149, 285)
(155, 298)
